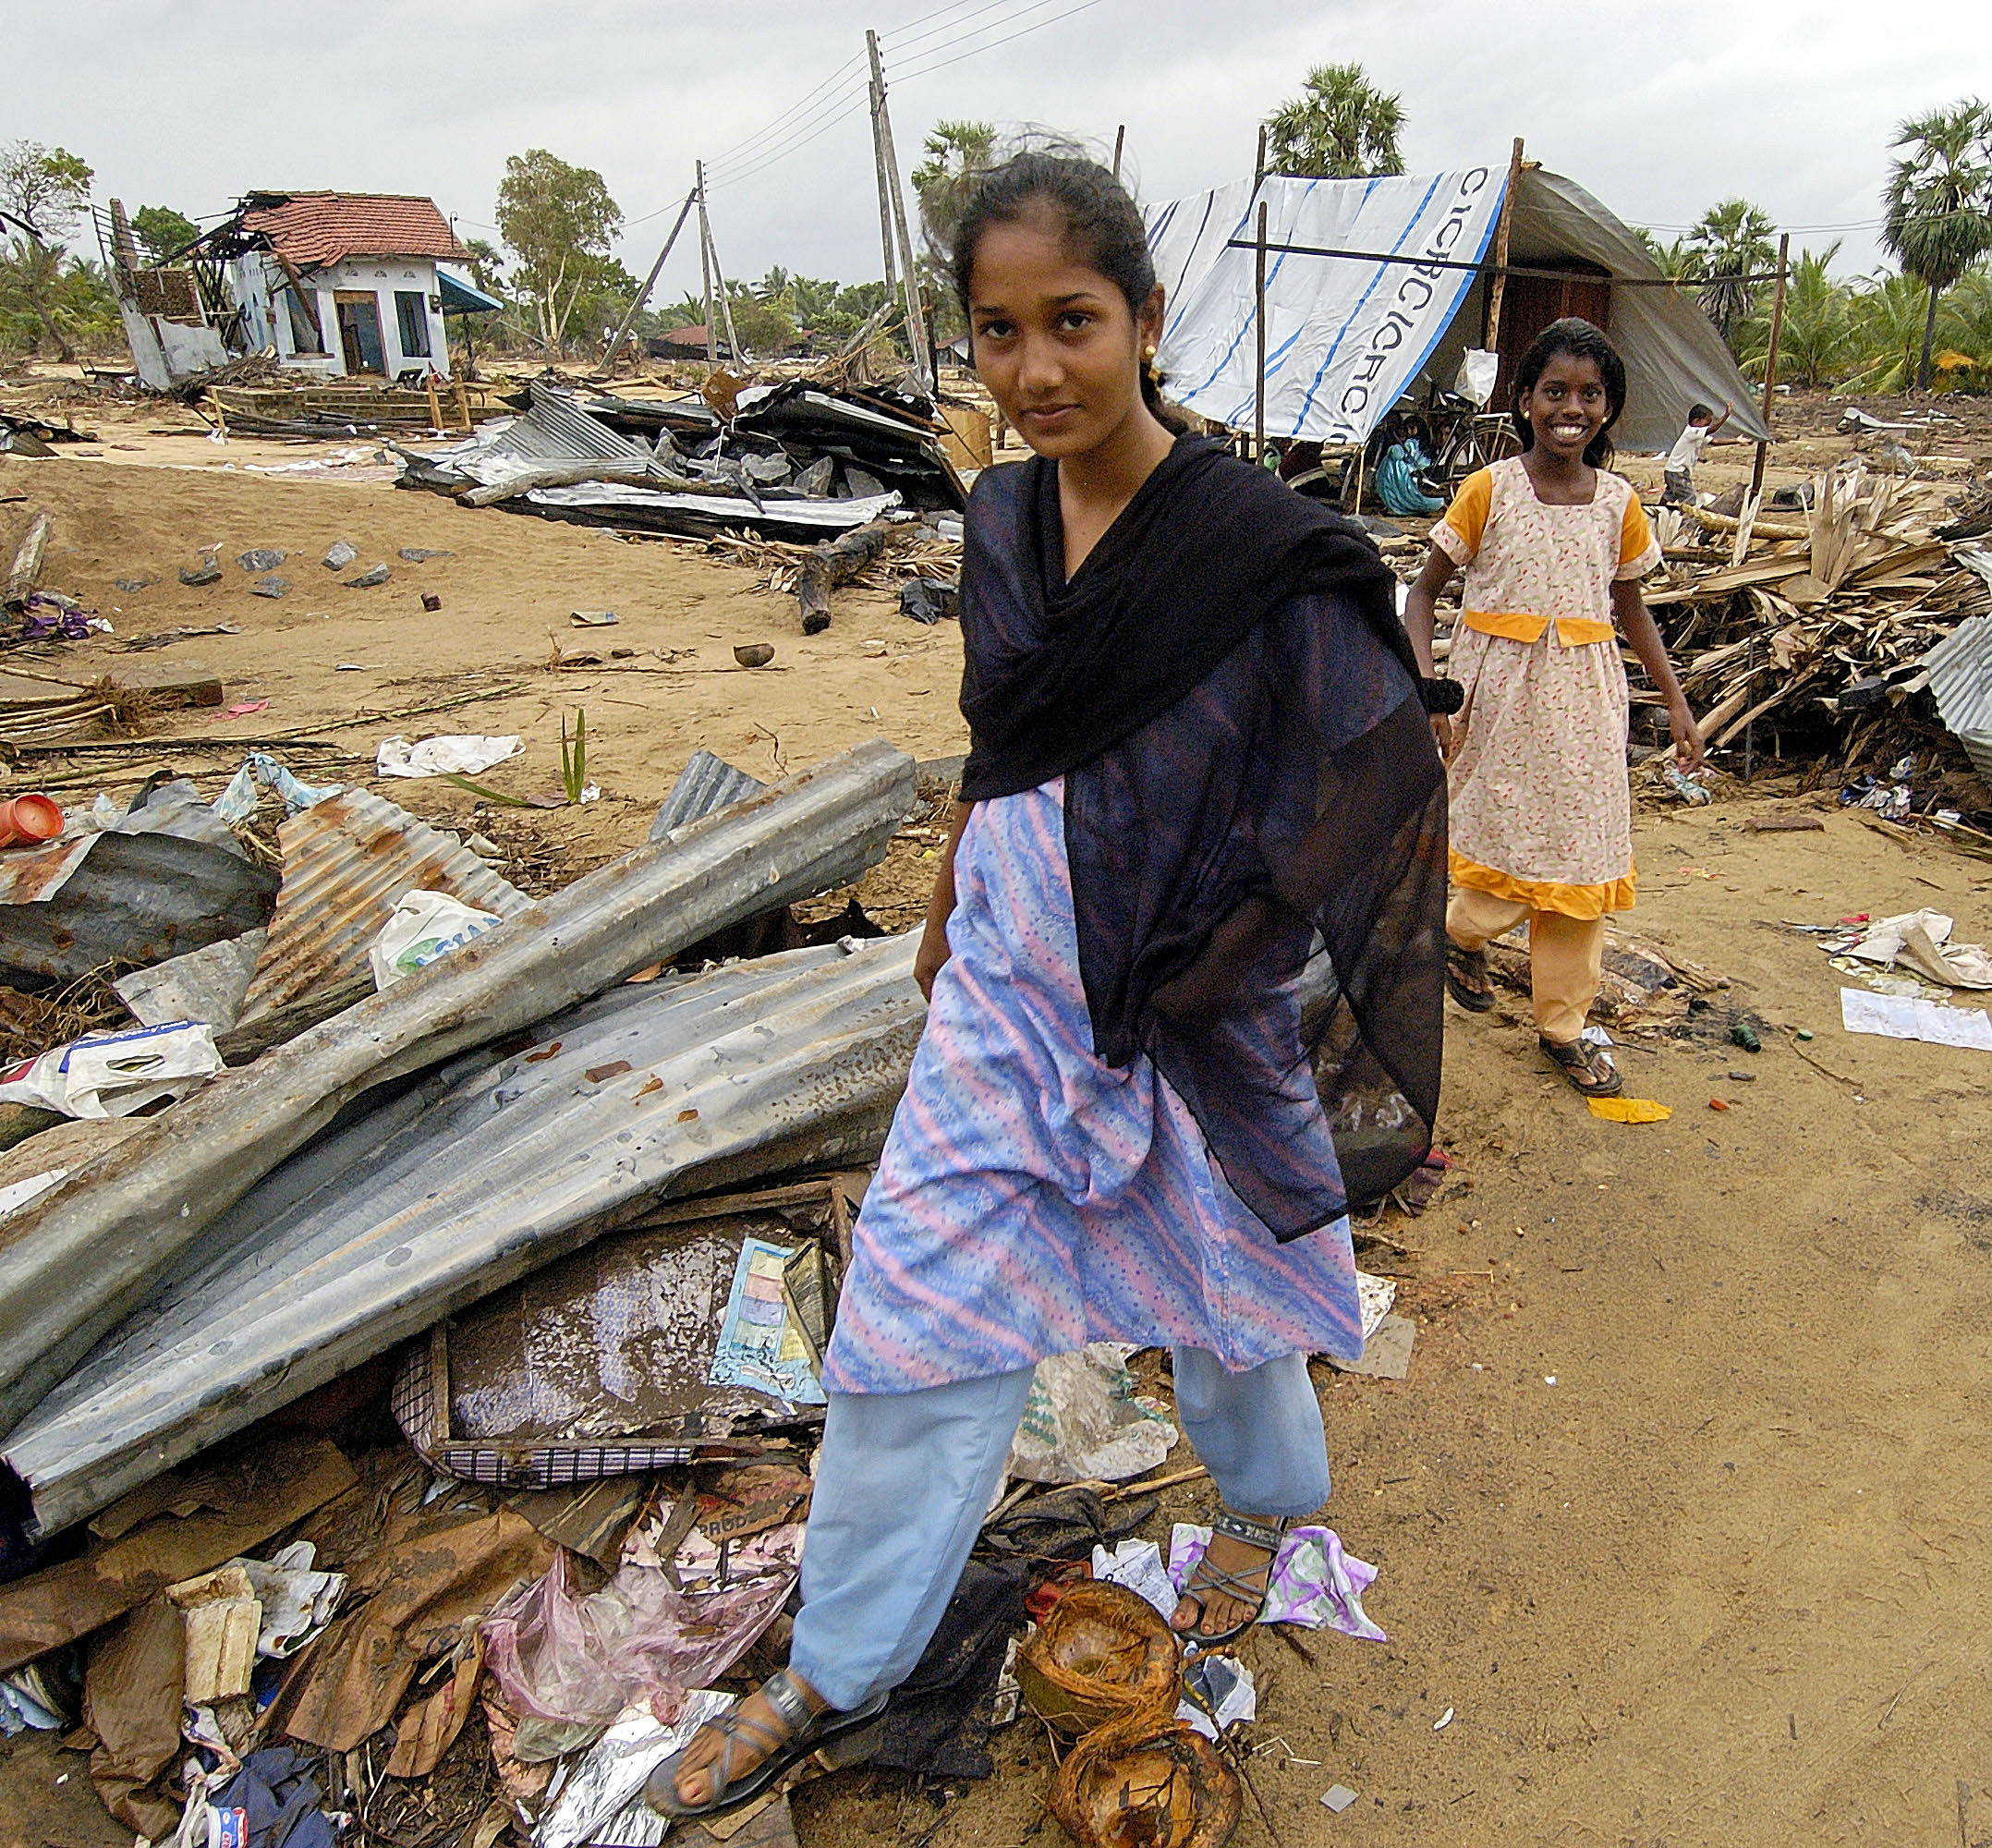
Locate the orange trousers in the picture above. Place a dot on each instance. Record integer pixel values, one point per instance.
(1566, 955)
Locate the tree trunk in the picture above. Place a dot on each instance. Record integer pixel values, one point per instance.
(1929, 340)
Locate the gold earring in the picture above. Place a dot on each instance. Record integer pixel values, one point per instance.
(1148, 352)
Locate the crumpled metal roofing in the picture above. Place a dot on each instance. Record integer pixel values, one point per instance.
(488, 1169)
(347, 862)
(75, 1263)
(1960, 668)
(704, 785)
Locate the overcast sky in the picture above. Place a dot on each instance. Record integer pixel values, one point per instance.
(1661, 111)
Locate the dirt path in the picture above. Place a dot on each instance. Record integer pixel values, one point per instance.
(1720, 1583)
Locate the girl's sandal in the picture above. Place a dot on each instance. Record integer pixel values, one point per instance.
(1466, 979)
(1590, 1072)
(1206, 1578)
(838, 1739)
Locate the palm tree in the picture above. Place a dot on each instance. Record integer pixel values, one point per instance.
(1678, 262)
(955, 153)
(485, 261)
(1885, 333)
(1814, 349)
(1341, 126)
(1940, 203)
(1732, 240)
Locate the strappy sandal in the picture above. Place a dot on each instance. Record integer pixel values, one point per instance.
(1206, 1578)
(838, 1739)
(1590, 1072)
(1466, 979)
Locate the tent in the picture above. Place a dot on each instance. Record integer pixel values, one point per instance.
(1347, 336)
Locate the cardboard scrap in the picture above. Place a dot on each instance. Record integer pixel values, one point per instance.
(133, 1689)
(177, 1527)
(429, 1728)
(223, 1616)
(1387, 1353)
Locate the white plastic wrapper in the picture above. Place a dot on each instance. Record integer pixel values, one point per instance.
(1083, 1423)
(1476, 378)
(462, 754)
(424, 924)
(113, 1073)
(600, 1798)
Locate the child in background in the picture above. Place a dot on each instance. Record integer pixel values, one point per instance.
(1679, 472)
(1554, 546)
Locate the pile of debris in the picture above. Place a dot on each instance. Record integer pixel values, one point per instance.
(1818, 625)
(579, 1221)
(789, 461)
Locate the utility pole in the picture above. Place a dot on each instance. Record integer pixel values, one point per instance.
(1770, 359)
(895, 198)
(726, 295)
(705, 268)
(650, 281)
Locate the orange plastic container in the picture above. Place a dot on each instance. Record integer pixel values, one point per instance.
(27, 820)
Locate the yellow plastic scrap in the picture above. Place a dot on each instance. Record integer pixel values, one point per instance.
(1629, 1110)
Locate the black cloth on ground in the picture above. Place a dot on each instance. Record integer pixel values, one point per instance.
(939, 1717)
(1227, 690)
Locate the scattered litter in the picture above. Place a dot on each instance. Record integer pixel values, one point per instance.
(1217, 1693)
(1137, 1564)
(1921, 940)
(18, 1194)
(1315, 1583)
(1149, 1779)
(262, 559)
(1444, 1720)
(1629, 1110)
(244, 708)
(115, 1074)
(600, 1798)
(458, 754)
(367, 579)
(759, 1344)
(269, 587)
(593, 619)
(423, 926)
(132, 586)
(1691, 787)
(1386, 1351)
(27, 820)
(1083, 1423)
(926, 601)
(1716, 1103)
(1744, 1034)
(1901, 1018)
(1338, 1798)
(339, 555)
(431, 602)
(208, 571)
(415, 555)
(236, 802)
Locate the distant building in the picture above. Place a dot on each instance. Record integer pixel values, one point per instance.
(337, 283)
(677, 343)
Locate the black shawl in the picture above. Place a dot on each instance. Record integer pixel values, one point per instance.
(1249, 777)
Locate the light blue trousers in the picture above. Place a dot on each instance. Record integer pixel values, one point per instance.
(905, 1480)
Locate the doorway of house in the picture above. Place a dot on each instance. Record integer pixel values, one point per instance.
(360, 331)
(1531, 303)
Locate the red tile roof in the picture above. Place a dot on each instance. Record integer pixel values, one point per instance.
(316, 228)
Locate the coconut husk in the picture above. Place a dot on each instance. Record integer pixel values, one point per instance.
(1147, 1782)
(1103, 1653)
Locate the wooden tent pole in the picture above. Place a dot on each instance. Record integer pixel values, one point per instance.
(1770, 362)
(1258, 165)
(1258, 324)
(1498, 286)
(1120, 141)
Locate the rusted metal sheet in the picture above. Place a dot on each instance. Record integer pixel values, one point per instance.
(165, 879)
(347, 862)
(79, 1259)
(489, 1169)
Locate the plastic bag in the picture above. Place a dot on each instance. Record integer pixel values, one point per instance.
(423, 926)
(1081, 1422)
(113, 1073)
(460, 754)
(1478, 369)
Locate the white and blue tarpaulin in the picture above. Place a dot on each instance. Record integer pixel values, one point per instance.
(1347, 336)
(1344, 337)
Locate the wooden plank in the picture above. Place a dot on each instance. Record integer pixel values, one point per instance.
(166, 684)
(21, 580)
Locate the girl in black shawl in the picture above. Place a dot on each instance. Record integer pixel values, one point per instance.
(1185, 965)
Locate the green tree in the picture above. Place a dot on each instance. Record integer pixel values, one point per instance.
(1812, 347)
(50, 298)
(1734, 239)
(1885, 324)
(1341, 125)
(558, 220)
(46, 189)
(1968, 312)
(954, 152)
(765, 324)
(162, 232)
(1938, 202)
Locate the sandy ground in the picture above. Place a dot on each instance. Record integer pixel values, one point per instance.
(1676, 1512)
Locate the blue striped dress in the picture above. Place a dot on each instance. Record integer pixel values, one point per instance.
(1031, 1198)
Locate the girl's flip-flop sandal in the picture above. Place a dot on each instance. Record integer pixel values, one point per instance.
(1207, 1577)
(1466, 979)
(838, 1739)
(1590, 1072)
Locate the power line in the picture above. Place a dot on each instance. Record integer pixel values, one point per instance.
(777, 156)
(802, 105)
(898, 46)
(942, 64)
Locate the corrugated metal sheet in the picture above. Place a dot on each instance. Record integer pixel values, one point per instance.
(1960, 677)
(347, 862)
(566, 430)
(489, 1169)
(704, 787)
(77, 1261)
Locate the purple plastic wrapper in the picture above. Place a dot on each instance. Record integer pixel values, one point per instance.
(1315, 1582)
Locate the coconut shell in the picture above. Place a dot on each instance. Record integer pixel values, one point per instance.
(1103, 1652)
(1147, 1782)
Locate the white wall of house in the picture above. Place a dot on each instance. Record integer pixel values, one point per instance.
(259, 285)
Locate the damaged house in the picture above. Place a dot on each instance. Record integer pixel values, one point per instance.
(337, 284)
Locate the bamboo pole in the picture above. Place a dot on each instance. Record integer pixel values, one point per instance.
(705, 268)
(1498, 288)
(1258, 330)
(650, 281)
(1120, 141)
(1770, 362)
